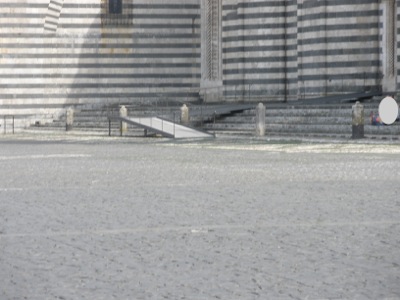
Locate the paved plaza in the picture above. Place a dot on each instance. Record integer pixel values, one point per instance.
(121, 218)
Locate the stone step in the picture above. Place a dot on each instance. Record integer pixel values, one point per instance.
(295, 120)
(94, 131)
(284, 127)
(393, 130)
(94, 114)
(306, 112)
(45, 128)
(295, 136)
(281, 119)
(89, 126)
(297, 117)
(290, 120)
(306, 128)
(283, 134)
(104, 115)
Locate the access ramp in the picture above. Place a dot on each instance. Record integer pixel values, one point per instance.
(165, 127)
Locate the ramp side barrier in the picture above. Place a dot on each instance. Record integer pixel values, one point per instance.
(140, 123)
(166, 128)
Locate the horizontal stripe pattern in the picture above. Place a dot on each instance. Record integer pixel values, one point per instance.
(299, 49)
(335, 42)
(398, 45)
(260, 49)
(68, 51)
(60, 52)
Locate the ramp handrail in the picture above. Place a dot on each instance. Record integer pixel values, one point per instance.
(5, 117)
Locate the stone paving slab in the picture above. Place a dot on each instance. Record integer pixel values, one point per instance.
(114, 218)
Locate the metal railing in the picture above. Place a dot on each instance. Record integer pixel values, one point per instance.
(5, 117)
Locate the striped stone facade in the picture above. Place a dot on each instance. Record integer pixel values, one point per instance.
(291, 49)
(260, 49)
(55, 53)
(338, 46)
(397, 44)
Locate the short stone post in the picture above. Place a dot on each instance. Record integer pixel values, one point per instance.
(184, 114)
(260, 120)
(69, 119)
(123, 113)
(358, 121)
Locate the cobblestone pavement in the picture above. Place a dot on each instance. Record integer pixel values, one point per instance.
(157, 219)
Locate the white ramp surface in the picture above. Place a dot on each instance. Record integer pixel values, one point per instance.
(167, 128)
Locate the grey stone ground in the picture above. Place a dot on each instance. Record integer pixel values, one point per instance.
(154, 219)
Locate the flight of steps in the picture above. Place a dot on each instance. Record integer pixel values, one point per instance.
(285, 120)
(320, 121)
(95, 120)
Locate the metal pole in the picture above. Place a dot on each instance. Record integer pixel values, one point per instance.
(364, 80)
(214, 121)
(250, 91)
(174, 124)
(342, 83)
(201, 114)
(235, 92)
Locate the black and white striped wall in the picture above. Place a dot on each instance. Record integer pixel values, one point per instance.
(260, 48)
(289, 49)
(55, 53)
(338, 46)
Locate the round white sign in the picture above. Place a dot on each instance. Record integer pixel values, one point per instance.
(388, 110)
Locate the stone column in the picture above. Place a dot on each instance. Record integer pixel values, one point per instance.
(358, 121)
(123, 113)
(184, 114)
(260, 120)
(69, 119)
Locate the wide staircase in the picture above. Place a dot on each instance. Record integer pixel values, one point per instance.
(95, 120)
(289, 120)
(304, 121)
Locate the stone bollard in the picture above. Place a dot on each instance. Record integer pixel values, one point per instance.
(123, 113)
(184, 114)
(260, 120)
(69, 119)
(358, 121)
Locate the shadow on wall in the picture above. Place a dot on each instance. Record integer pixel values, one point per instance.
(146, 54)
